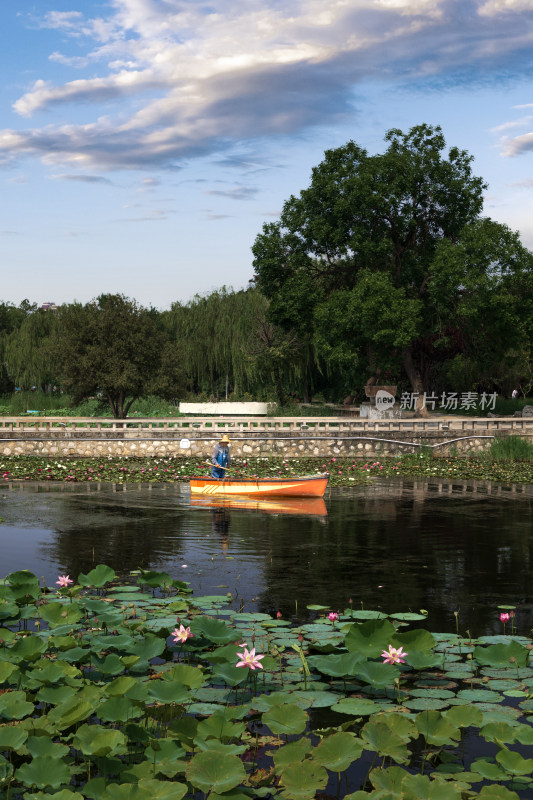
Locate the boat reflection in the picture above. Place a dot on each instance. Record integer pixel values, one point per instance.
(306, 506)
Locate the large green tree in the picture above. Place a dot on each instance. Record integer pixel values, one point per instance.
(115, 348)
(366, 260)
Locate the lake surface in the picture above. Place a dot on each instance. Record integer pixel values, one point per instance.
(395, 545)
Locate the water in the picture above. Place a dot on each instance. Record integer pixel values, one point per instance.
(393, 545)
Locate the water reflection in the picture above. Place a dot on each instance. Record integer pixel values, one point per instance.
(396, 545)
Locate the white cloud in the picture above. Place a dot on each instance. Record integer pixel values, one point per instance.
(517, 145)
(493, 7)
(181, 79)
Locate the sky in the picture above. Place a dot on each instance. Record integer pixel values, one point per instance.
(144, 143)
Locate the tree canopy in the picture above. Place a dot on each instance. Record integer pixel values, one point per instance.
(115, 348)
(387, 263)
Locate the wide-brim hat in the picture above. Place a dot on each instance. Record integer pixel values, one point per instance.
(224, 439)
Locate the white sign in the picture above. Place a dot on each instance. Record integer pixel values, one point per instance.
(185, 444)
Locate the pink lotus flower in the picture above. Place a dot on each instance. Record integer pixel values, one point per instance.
(249, 659)
(333, 616)
(64, 581)
(181, 634)
(504, 617)
(394, 656)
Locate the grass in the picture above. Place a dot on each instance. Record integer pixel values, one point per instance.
(511, 448)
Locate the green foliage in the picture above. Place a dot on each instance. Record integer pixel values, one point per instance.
(385, 260)
(114, 348)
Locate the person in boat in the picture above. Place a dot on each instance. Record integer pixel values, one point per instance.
(221, 458)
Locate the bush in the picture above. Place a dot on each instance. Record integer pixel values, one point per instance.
(511, 448)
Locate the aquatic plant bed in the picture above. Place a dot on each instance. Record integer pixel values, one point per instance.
(342, 472)
(122, 692)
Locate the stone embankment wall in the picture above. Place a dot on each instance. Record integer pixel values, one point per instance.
(286, 437)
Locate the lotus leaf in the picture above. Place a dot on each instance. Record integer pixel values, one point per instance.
(302, 781)
(63, 794)
(9, 611)
(43, 746)
(110, 665)
(365, 615)
(47, 672)
(58, 613)
(479, 696)
(370, 638)
(13, 705)
(497, 793)
(6, 770)
(12, 738)
(214, 630)
(498, 732)
(39, 773)
(426, 704)
(496, 654)
(97, 740)
(338, 751)
(208, 772)
(514, 763)
(120, 686)
(28, 648)
(389, 780)
(292, 753)
(523, 734)
(313, 698)
(380, 738)
(356, 706)
(118, 709)
(162, 790)
(436, 729)
(401, 725)
(219, 726)
(97, 577)
(230, 674)
(420, 787)
(219, 747)
(488, 769)
(464, 716)
(6, 671)
(378, 675)
(418, 640)
(337, 666)
(203, 709)
(285, 718)
(69, 713)
(55, 694)
(168, 691)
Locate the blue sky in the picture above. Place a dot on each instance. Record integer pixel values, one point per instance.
(143, 143)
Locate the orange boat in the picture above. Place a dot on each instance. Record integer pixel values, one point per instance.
(311, 486)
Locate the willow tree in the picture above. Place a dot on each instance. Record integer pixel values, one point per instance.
(26, 347)
(214, 331)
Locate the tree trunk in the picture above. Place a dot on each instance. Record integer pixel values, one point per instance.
(417, 384)
(279, 386)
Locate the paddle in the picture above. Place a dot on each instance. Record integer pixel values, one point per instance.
(228, 469)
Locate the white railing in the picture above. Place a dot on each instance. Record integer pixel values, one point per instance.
(308, 426)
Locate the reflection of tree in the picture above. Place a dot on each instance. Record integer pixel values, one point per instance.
(393, 546)
(443, 553)
(124, 529)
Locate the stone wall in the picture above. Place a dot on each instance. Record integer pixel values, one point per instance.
(365, 445)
